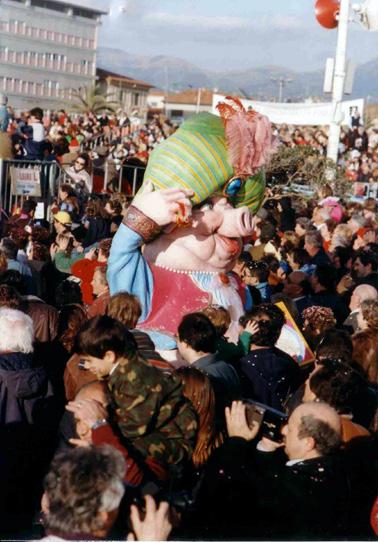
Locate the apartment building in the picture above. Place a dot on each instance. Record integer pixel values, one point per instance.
(130, 93)
(47, 48)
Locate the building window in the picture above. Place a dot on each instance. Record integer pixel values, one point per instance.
(12, 25)
(136, 98)
(4, 26)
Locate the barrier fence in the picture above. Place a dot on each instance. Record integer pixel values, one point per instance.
(21, 179)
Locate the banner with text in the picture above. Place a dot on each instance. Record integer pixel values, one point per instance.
(305, 114)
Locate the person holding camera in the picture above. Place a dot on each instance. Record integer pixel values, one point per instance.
(297, 488)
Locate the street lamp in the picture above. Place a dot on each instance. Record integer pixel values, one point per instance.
(282, 82)
(332, 14)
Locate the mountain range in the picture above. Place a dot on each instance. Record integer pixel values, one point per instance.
(174, 74)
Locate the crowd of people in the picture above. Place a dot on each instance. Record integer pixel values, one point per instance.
(358, 149)
(107, 140)
(84, 387)
(102, 437)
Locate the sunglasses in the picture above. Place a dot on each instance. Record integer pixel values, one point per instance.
(233, 186)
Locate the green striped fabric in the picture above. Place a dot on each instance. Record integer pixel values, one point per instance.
(195, 157)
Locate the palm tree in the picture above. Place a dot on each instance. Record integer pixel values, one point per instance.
(90, 100)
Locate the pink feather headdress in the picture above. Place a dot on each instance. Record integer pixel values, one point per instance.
(249, 137)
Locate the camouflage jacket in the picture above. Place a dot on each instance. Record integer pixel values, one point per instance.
(152, 413)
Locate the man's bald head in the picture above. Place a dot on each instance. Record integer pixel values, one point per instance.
(313, 430)
(361, 293)
(95, 391)
(323, 412)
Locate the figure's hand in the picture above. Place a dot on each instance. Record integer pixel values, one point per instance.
(164, 206)
(156, 524)
(237, 425)
(88, 411)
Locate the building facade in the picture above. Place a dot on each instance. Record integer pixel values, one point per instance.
(181, 105)
(131, 94)
(47, 48)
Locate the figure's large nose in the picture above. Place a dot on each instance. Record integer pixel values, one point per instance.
(237, 223)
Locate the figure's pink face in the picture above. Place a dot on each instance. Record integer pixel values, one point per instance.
(211, 243)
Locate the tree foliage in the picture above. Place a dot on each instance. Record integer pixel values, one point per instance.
(90, 100)
(305, 165)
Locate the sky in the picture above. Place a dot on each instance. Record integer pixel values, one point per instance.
(229, 34)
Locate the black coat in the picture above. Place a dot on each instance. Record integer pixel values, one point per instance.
(250, 494)
(270, 376)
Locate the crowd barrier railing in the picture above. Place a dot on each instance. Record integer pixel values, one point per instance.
(21, 179)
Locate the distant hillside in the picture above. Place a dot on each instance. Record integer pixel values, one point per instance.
(176, 74)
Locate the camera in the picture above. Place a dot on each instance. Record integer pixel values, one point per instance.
(270, 420)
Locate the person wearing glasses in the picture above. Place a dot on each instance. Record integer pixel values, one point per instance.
(78, 174)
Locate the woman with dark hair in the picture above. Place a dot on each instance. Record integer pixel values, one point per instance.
(43, 271)
(96, 221)
(56, 354)
(199, 390)
(68, 201)
(339, 386)
(78, 175)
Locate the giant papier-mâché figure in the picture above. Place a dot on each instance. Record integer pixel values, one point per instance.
(184, 229)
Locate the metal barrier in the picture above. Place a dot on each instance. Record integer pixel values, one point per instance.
(12, 196)
(128, 179)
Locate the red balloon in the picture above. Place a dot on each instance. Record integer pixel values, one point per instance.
(326, 11)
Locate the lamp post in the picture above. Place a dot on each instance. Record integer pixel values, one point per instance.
(338, 81)
(282, 82)
(331, 14)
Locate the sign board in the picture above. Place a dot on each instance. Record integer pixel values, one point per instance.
(291, 339)
(305, 114)
(26, 181)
